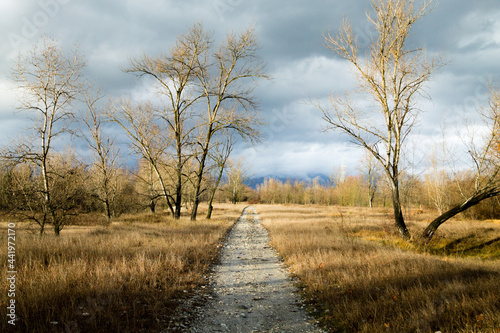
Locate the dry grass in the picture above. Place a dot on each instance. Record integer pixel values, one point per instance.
(126, 277)
(359, 277)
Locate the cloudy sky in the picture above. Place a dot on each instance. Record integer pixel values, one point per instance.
(109, 32)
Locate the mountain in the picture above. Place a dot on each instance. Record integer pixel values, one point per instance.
(308, 179)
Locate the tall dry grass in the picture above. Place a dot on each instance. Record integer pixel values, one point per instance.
(359, 277)
(126, 277)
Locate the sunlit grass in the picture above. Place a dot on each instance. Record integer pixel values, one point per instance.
(125, 277)
(360, 277)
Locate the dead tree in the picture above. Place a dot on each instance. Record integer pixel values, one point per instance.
(174, 74)
(105, 156)
(50, 82)
(484, 154)
(371, 173)
(220, 155)
(227, 90)
(392, 76)
(140, 124)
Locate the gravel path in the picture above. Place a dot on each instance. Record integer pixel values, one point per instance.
(252, 292)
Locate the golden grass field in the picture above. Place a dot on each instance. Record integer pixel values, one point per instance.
(358, 276)
(126, 277)
(355, 272)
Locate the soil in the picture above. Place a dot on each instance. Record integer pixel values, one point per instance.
(250, 291)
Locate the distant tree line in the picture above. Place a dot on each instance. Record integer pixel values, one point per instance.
(418, 194)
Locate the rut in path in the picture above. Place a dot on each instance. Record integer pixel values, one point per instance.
(252, 292)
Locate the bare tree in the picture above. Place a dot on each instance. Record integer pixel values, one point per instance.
(50, 83)
(219, 155)
(483, 151)
(105, 156)
(391, 75)
(148, 139)
(236, 177)
(174, 74)
(147, 184)
(436, 182)
(371, 173)
(227, 88)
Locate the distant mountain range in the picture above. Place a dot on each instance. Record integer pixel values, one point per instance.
(322, 178)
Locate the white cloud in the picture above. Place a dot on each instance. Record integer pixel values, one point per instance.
(300, 158)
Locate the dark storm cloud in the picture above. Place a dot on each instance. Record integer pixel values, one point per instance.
(291, 33)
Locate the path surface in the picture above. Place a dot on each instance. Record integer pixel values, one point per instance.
(252, 292)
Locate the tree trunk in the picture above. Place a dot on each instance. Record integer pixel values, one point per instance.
(42, 227)
(164, 188)
(152, 206)
(470, 202)
(194, 211)
(199, 179)
(108, 209)
(210, 209)
(178, 200)
(398, 212)
(57, 224)
(170, 206)
(47, 211)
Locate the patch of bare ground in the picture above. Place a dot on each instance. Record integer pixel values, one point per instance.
(251, 290)
(359, 277)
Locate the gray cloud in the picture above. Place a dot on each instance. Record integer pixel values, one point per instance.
(291, 33)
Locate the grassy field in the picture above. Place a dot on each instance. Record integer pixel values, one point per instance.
(356, 273)
(359, 277)
(125, 277)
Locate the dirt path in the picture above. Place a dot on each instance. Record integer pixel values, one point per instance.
(252, 292)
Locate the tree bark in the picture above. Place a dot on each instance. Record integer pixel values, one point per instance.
(178, 200)
(210, 209)
(152, 206)
(470, 202)
(398, 212)
(194, 211)
(108, 208)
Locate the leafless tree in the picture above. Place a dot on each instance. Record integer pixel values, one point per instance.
(105, 156)
(436, 182)
(50, 82)
(174, 74)
(149, 139)
(220, 155)
(227, 90)
(147, 184)
(391, 75)
(484, 154)
(371, 173)
(237, 174)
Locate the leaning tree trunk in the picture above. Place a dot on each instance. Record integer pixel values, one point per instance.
(470, 202)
